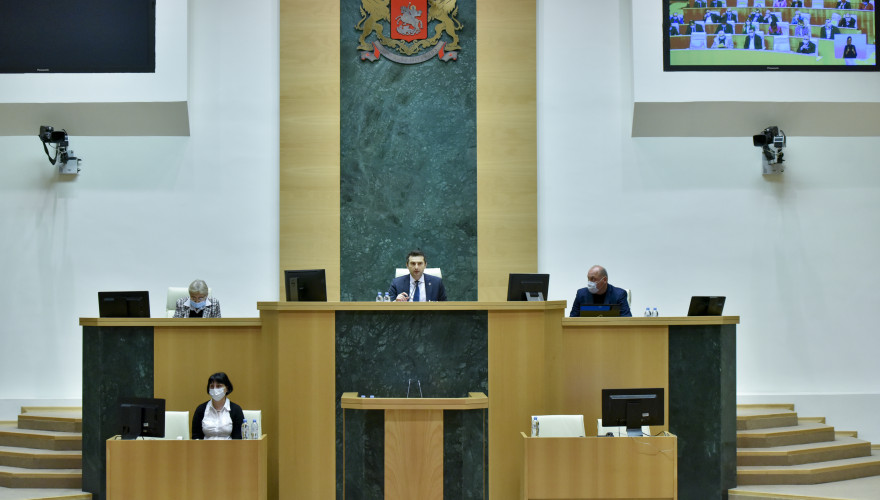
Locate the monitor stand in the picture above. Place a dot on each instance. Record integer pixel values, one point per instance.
(535, 296)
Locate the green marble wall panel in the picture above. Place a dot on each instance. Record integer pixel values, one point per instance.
(408, 163)
(117, 361)
(702, 408)
(376, 354)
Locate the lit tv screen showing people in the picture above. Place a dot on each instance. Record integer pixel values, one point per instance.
(776, 35)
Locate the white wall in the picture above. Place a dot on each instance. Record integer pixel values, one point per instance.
(146, 212)
(675, 217)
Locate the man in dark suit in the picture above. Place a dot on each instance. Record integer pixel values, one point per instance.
(842, 4)
(848, 21)
(676, 18)
(753, 41)
(828, 31)
(769, 17)
(730, 15)
(727, 28)
(599, 291)
(699, 3)
(417, 286)
(694, 28)
(797, 3)
(806, 46)
(716, 3)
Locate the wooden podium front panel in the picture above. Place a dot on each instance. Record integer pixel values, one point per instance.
(600, 468)
(414, 454)
(191, 469)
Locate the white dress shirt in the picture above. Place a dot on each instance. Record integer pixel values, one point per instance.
(217, 424)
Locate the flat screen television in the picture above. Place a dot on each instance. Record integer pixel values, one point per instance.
(141, 417)
(527, 287)
(716, 36)
(85, 36)
(632, 408)
(308, 285)
(124, 304)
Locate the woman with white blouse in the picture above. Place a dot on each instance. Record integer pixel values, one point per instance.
(218, 418)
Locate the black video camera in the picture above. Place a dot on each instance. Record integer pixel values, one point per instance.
(49, 135)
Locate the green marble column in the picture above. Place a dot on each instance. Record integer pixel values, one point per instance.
(117, 361)
(408, 163)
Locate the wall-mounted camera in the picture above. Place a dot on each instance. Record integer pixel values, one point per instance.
(67, 162)
(771, 141)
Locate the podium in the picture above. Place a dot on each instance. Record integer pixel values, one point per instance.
(600, 467)
(414, 440)
(192, 469)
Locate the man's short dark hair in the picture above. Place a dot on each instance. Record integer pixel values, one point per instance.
(219, 378)
(416, 253)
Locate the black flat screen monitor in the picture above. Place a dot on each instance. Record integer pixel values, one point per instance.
(632, 408)
(141, 417)
(600, 310)
(124, 304)
(706, 306)
(308, 285)
(521, 287)
(85, 36)
(787, 38)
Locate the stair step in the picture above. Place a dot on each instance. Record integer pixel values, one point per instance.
(12, 436)
(798, 454)
(771, 406)
(51, 421)
(17, 477)
(31, 458)
(814, 473)
(784, 436)
(764, 418)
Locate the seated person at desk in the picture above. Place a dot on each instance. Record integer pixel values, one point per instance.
(699, 3)
(847, 21)
(676, 18)
(198, 305)
(218, 418)
(724, 27)
(797, 3)
(843, 4)
(806, 46)
(730, 15)
(769, 17)
(774, 29)
(694, 28)
(722, 41)
(599, 291)
(753, 41)
(801, 29)
(828, 31)
(673, 30)
(867, 5)
(779, 3)
(412, 287)
(716, 3)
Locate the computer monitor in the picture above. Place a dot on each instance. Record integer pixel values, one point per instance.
(530, 287)
(632, 408)
(308, 285)
(706, 306)
(141, 417)
(124, 304)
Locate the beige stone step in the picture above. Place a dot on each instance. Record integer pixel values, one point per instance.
(797, 454)
(814, 473)
(18, 477)
(62, 421)
(12, 436)
(784, 436)
(764, 418)
(33, 458)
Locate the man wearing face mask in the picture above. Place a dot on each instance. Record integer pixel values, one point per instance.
(599, 291)
(198, 305)
(218, 418)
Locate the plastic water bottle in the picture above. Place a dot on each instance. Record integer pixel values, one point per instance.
(647, 312)
(387, 297)
(379, 297)
(255, 430)
(244, 430)
(534, 426)
(654, 313)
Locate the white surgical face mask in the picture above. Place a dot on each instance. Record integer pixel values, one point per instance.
(217, 394)
(197, 305)
(592, 287)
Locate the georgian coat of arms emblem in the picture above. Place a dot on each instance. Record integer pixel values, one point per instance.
(409, 23)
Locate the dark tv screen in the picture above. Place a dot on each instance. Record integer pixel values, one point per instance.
(82, 36)
(769, 35)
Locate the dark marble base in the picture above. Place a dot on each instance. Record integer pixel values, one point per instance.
(117, 361)
(377, 353)
(702, 408)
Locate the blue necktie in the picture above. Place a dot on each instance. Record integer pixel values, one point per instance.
(416, 293)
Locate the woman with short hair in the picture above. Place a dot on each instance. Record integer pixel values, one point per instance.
(198, 305)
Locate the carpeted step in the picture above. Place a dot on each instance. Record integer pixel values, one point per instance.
(814, 473)
(803, 453)
(51, 421)
(32, 458)
(18, 477)
(764, 418)
(12, 436)
(784, 436)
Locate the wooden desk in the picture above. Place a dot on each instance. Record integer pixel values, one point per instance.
(191, 469)
(600, 467)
